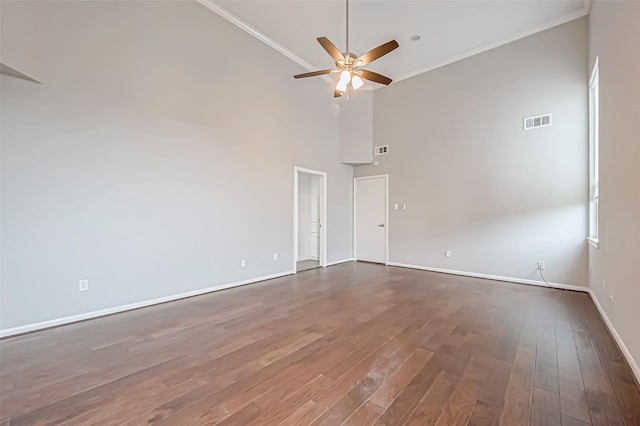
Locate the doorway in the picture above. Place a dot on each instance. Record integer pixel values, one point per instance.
(309, 227)
(371, 231)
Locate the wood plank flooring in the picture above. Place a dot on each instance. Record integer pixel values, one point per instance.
(354, 344)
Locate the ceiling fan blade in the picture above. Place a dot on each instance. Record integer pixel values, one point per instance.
(378, 52)
(313, 73)
(337, 94)
(331, 49)
(375, 77)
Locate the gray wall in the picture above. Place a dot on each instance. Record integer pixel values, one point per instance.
(474, 182)
(157, 153)
(356, 128)
(614, 35)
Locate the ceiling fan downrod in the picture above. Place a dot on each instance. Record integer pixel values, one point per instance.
(347, 26)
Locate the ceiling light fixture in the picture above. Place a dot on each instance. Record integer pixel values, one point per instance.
(356, 82)
(345, 78)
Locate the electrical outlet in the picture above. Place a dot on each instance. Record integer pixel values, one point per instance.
(447, 254)
(243, 263)
(275, 256)
(541, 265)
(83, 285)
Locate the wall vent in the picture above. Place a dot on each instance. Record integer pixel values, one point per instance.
(381, 150)
(537, 121)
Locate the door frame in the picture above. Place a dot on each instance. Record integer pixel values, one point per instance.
(322, 250)
(386, 214)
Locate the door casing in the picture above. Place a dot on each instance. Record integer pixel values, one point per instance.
(322, 252)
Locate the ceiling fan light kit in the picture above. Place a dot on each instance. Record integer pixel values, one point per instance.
(348, 64)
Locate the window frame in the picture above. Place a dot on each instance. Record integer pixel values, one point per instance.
(594, 154)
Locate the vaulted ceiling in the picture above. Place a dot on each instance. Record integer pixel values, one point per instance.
(449, 30)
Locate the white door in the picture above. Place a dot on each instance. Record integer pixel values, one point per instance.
(304, 216)
(315, 217)
(371, 219)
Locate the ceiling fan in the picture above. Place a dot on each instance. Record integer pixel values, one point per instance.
(348, 64)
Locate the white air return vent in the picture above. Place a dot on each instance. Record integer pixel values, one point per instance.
(536, 121)
(381, 150)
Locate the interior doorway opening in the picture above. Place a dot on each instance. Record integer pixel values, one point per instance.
(309, 228)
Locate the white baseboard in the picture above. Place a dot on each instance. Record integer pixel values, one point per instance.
(632, 362)
(337, 262)
(492, 277)
(102, 312)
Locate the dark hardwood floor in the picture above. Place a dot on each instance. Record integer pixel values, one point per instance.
(354, 344)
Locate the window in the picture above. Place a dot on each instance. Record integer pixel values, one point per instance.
(593, 156)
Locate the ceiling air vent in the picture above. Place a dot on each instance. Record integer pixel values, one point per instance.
(381, 150)
(537, 121)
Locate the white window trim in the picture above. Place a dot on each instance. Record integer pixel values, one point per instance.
(594, 190)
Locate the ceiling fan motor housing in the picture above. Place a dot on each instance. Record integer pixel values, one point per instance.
(350, 61)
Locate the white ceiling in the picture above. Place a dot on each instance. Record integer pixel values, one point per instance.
(450, 30)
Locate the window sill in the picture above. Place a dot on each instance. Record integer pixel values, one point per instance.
(594, 242)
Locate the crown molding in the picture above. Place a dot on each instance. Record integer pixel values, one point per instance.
(506, 40)
(222, 12)
(12, 72)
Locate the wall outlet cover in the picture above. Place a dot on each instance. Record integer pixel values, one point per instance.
(83, 285)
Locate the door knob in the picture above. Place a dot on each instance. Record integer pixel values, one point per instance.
(381, 225)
